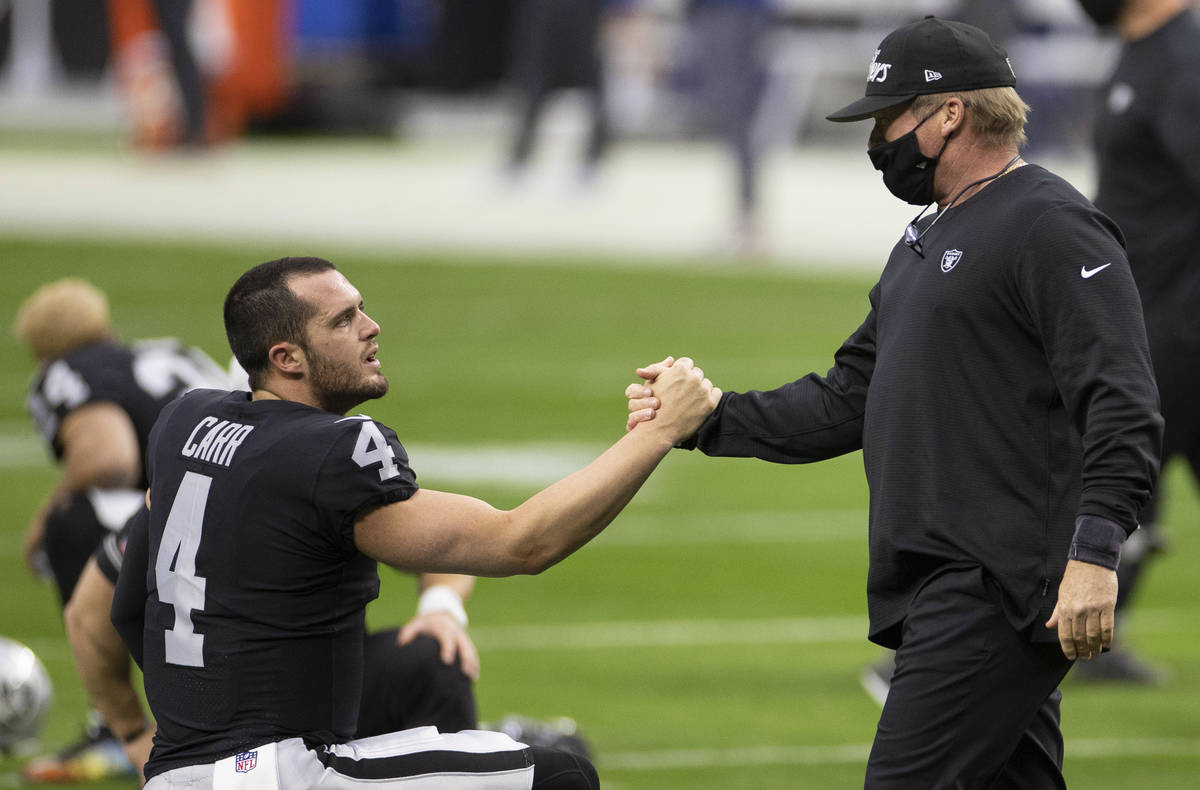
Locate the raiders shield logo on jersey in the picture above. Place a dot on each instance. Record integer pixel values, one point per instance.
(950, 259)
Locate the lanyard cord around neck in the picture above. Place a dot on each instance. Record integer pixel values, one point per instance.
(912, 236)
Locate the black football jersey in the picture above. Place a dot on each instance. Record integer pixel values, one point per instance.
(254, 590)
(141, 379)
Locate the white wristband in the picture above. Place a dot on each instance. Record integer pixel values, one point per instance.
(442, 598)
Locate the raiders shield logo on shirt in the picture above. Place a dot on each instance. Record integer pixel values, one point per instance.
(950, 259)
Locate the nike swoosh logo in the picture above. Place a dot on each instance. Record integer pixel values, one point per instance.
(1085, 272)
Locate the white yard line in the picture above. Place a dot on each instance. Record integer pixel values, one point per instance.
(519, 464)
(732, 757)
(21, 448)
(736, 528)
(670, 633)
(525, 464)
(692, 633)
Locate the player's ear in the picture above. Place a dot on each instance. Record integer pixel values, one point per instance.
(287, 359)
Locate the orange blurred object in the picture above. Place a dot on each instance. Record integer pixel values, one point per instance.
(241, 50)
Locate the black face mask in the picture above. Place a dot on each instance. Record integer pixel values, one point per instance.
(907, 173)
(1102, 12)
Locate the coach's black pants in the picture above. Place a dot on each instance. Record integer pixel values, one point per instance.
(973, 703)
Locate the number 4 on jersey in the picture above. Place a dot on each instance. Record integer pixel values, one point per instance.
(175, 570)
(380, 451)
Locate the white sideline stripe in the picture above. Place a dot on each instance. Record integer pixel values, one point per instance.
(1133, 747)
(20, 448)
(668, 759)
(529, 464)
(671, 633)
(536, 464)
(736, 527)
(673, 759)
(778, 631)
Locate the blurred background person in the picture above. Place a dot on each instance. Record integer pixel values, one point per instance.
(728, 43)
(158, 72)
(93, 399)
(1146, 136)
(557, 45)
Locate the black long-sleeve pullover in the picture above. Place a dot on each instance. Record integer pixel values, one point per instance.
(1000, 388)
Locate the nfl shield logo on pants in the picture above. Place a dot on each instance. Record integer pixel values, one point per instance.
(950, 259)
(245, 762)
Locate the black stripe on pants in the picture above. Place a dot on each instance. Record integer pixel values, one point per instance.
(553, 769)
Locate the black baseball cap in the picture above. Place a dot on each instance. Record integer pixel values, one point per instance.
(930, 55)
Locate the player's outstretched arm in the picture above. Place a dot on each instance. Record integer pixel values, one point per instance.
(434, 531)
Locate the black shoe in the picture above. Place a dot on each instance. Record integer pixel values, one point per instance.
(1119, 665)
(561, 733)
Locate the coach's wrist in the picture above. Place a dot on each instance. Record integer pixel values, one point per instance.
(442, 598)
(1097, 541)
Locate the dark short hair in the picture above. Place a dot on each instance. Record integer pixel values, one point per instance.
(261, 310)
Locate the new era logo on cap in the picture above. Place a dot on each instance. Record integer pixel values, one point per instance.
(930, 75)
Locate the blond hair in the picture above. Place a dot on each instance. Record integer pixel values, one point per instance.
(62, 316)
(996, 115)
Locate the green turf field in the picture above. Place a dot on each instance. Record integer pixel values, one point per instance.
(712, 638)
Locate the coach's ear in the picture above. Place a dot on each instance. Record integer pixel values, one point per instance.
(287, 360)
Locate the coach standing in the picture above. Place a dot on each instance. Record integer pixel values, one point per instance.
(1001, 391)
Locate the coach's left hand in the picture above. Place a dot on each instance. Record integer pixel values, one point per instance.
(1085, 612)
